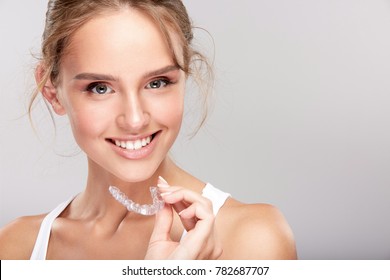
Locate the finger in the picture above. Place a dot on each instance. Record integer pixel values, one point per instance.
(188, 224)
(189, 218)
(202, 235)
(196, 244)
(197, 211)
(200, 241)
(174, 195)
(181, 199)
(164, 190)
(204, 222)
(162, 225)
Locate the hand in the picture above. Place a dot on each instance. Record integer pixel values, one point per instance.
(197, 217)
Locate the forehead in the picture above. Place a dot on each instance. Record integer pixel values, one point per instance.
(119, 41)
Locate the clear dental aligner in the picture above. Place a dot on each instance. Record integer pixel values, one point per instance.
(143, 209)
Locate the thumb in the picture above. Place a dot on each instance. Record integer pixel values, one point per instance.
(162, 225)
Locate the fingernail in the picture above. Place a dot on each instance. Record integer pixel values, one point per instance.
(162, 180)
(162, 183)
(165, 193)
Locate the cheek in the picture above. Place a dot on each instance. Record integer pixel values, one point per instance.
(170, 111)
(86, 121)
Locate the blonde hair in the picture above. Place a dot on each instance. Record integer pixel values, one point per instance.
(64, 17)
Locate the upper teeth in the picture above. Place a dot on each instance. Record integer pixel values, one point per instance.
(134, 145)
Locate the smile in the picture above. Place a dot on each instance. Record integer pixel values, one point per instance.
(133, 145)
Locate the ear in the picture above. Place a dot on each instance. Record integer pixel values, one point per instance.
(49, 91)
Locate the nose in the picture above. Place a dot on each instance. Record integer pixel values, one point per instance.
(133, 115)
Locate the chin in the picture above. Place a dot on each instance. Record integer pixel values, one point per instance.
(136, 175)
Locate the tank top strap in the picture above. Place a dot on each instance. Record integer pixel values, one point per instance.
(216, 196)
(42, 242)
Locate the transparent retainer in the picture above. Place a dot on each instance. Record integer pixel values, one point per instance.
(142, 209)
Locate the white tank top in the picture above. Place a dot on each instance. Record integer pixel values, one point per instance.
(216, 196)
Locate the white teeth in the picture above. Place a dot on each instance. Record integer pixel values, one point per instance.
(137, 145)
(129, 145)
(134, 145)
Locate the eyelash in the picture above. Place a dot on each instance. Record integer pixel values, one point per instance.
(90, 88)
(166, 81)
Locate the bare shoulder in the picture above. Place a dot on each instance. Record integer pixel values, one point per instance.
(17, 239)
(254, 231)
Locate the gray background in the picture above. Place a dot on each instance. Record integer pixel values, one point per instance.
(301, 119)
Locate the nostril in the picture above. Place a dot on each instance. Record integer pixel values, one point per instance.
(133, 120)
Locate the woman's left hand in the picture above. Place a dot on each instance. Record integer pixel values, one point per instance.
(198, 219)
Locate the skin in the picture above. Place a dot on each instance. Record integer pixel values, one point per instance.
(128, 49)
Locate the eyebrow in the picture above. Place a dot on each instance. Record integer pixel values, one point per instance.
(162, 71)
(94, 76)
(105, 77)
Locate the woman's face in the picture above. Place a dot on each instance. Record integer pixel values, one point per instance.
(123, 93)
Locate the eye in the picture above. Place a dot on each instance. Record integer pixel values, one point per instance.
(99, 88)
(158, 84)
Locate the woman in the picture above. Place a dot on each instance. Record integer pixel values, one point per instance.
(117, 69)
